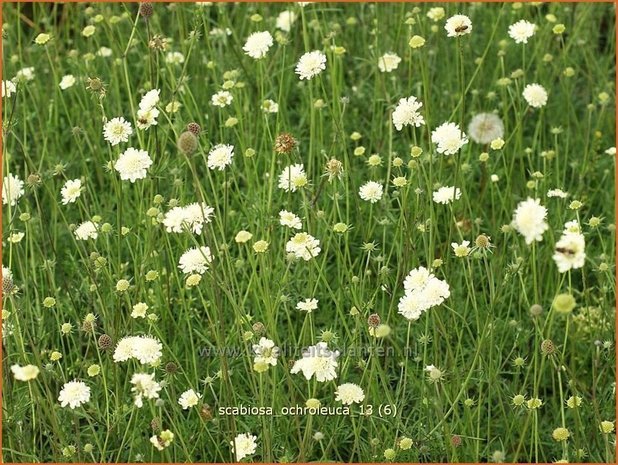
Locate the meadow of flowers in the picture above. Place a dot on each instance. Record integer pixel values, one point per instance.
(282, 232)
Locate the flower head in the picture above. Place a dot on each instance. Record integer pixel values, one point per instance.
(220, 156)
(74, 394)
(349, 393)
(71, 190)
(303, 246)
(318, 361)
(406, 113)
(195, 260)
(521, 31)
(388, 62)
(446, 195)
(293, 177)
(244, 445)
(117, 130)
(485, 127)
(529, 220)
(12, 189)
(189, 399)
(133, 164)
(535, 95)
(458, 25)
(371, 191)
(257, 44)
(448, 138)
(311, 64)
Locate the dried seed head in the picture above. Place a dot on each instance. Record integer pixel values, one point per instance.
(33, 180)
(536, 310)
(482, 241)
(334, 169)
(206, 412)
(259, 328)
(155, 424)
(171, 368)
(285, 143)
(547, 347)
(95, 85)
(88, 326)
(158, 43)
(194, 128)
(7, 285)
(374, 320)
(145, 10)
(456, 440)
(105, 342)
(187, 143)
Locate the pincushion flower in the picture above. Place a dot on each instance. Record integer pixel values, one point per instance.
(74, 394)
(25, 373)
(285, 20)
(290, 220)
(244, 445)
(422, 292)
(195, 260)
(303, 246)
(371, 191)
(12, 189)
(189, 399)
(222, 99)
(388, 62)
(458, 25)
(71, 191)
(266, 352)
(133, 164)
(67, 81)
(144, 386)
(570, 251)
(485, 127)
(117, 130)
(257, 44)
(535, 95)
(446, 195)
(349, 393)
(311, 64)
(521, 31)
(318, 362)
(529, 220)
(86, 230)
(407, 113)
(220, 156)
(292, 177)
(145, 349)
(448, 138)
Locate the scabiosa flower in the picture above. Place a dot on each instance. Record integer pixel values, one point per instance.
(521, 31)
(535, 95)
(406, 113)
(311, 64)
(8, 89)
(307, 305)
(318, 361)
(220, 156)
(25, 373)
(163, 440)
(147, 118)
(71, 190)
(446, 195)
(133, 164)
(266, 352)
(222, 99)
(448, 138)
(257, 44)
(270, 106)
(86, 230)
(189, 399)
(485, 127)
(285, 20)
(304, 246)
(422, 291)
(349, 393)
(150, 99)
(144, 386)
(67, 81)
(12, 189)
(290, 220)
(570, 251)
(293, 177)
(371, 191)
(74, 394)
(195, 260)
(458, 25)
(117, 130)
(244, 445)
(145, 349)
(285, 143)
(388, 62)
(529, 220)
(461, 250)
(557, 193)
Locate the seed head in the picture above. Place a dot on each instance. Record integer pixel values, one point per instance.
(206, 412)
(155, 424)
(145, 10)
(536, 310)
(194, 128)
(258, 328)
(285, 143)
(334, 169)
(374, 320)
(105, 342)
(456, 440)
(482, 241)
(547, 347)
(171, 368)
(187, 143)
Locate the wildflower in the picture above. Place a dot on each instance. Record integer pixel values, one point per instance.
(174, 58)
(74, 394)
(270, 106)
(416, 41)
(557, 193)
(569, 252)
(564, 303)
(189, 399)
(260, 246)
(71, 190)
(461, 250)
(518, 400)
(220, 156)
(25, 373)
(285, 20)
(390, 454)
(371, 191)
(560, 434)
(606, 427)
(86, 230)
(147, 118)
(292, 177)
(449, 138)
(243, 236)
(458, 25)
(574, 401)
(303, 245)
(318, 361)
(446, 195)
(485, 127)
(144, 386)
(191, 218)
(133, 164)
(534, 403)
(434, 374)
(388, 62)
(422, 291)
(311, 64)
(8, 89)
(222, 99)
(139, 310)
(257, 44)
(535, 95)
(285, 143)
(67, 81)
(406, 113)
(307, 305)
(265, 352)
(42, 38)
(145, 349)
(349, 393)
(195, 260)
(117, 130)
(436, 13)
(521, 31)
(163, 440)
(93, 370)
(244, 445)
(12, 189)
(290, 220)
(529, 220)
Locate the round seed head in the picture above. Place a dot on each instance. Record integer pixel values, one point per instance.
(258, 328)
(187, 143)
(285, 143)
(105, 342)
(194, 128)
(374, 320)
(171, 368)
(547, 347)
(145, 10)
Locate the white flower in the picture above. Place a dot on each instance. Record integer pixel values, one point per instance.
(86, 230)
(25, 74)
(117, 130)
(270, 106)
(139, 310)
(144, 386)
(220, 156)
(318, 361)
(290, 220)
(311, 64)
(448, 138)
(436, 13)
(307, 305)
(244, 445)
(422, 291)
(257, 44)
(74, 394)
(189, 399)
(285, 20)
(133, 164)
(222, 99)
(71, 190)
(145, 349)
(266, 352)
(521, 31)
(304, 246)
(149, 100)
(535, 95)
(12, 189)
(192, 218)
(572, 227)
(529, 220)
(162, 440)
(388, 62)
(67, 81)
(611, 151)
(458, 25)
(174, 58)
(417, 278)
(557, 193)
(292, 177)
(8, 89)
(446, 195)
(104, 52)
(25, 373)
(147, 118)
(371, 191)
(485, 127)
(570, 251)
(461, 250)
(406, 113)
(195, 260)
(349, 393)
